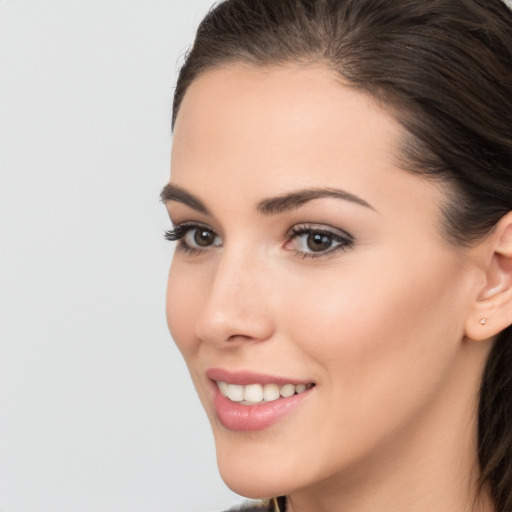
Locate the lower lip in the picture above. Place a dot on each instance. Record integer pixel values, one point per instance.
(243, 418)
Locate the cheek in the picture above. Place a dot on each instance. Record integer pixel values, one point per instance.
(396, 323)
(381, 344)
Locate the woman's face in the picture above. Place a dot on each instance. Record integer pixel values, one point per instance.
(308, 263)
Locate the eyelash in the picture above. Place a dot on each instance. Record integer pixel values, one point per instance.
(344, 241)
(180, 231)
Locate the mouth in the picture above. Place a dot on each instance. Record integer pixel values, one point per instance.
(247, 401)
(254, 394)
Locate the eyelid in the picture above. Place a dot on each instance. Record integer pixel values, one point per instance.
(305, 227)
(180, 229)
(342, 240)
(321, 226)
(179, 234)
(345, 240)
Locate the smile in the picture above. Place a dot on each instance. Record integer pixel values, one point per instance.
(253, 394)
(248, 401)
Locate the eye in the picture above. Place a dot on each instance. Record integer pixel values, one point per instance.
(314, 241)
(194, 237)
(201, 237)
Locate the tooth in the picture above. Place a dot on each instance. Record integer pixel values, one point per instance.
(287, 390)
(253, 393)
(271, 392)
(223, 388)
(256, 393)
(235, 392)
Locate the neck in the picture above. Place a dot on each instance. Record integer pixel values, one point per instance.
(428, 464)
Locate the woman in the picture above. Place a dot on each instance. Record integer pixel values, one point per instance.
(341, 193)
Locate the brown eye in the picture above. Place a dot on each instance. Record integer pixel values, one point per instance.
(318, 242)
(315, 240)
(203, 237)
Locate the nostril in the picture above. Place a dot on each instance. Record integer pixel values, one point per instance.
(239, 337)
(233, 326)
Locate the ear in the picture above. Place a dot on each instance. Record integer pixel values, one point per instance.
(492, 310)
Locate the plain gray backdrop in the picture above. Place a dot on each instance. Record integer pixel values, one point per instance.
(97, 413)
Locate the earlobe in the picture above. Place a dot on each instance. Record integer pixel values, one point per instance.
(492, 310)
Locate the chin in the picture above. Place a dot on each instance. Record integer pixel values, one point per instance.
(253, 473)
(252, 483)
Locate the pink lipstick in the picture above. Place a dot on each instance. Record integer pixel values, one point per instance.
(247, 401)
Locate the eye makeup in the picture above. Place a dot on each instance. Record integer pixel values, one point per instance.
(305, 240)
(313, 241)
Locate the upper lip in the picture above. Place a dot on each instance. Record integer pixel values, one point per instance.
(245, 377)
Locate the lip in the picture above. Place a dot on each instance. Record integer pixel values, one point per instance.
(239, 417)
(243, 378)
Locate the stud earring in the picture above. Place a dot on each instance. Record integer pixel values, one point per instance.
(483, 321)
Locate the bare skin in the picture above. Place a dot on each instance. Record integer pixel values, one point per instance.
(382, 315)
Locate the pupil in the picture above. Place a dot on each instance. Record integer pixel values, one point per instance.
(319, 242)
(203, 238)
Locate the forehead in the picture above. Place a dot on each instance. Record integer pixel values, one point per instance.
(241, 109)
(277, 95)
(265, 131)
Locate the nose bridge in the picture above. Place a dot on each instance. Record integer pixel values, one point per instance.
(237, 304)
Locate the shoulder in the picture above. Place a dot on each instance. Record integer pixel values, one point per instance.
(271, 505)
(253, 506)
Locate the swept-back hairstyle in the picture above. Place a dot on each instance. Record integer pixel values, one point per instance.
(443, 68)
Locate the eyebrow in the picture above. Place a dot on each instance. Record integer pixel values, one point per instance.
(294, 200)
(174, 193)
(270, 206)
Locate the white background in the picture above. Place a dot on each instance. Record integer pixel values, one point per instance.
(97, 413)
(96, 410)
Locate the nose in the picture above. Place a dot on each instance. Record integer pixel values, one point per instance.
(237, 308)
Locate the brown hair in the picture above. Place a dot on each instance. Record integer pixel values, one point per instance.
(444, 67)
